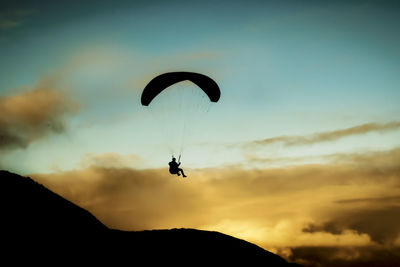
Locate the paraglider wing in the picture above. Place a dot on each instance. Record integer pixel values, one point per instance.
(161, 82)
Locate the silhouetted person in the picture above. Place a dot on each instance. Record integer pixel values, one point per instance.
(173, 168)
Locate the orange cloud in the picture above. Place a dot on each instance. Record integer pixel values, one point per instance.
(348, 203)
(332, 204)
(32, 114)
(111, 160)
(332, 256)
(330, 135)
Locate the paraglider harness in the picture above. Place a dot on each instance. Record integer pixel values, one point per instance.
(174, 169)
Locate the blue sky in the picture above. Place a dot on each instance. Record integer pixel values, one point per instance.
(305, 137)
(284, 68)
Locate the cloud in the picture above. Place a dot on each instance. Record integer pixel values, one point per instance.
(380, 222)
(370, 200)
(126, 198)
(111, 160)
(348, 205)
(234, 193)
(34, 113)
(370, 256)
(330, 135)
(14, 18)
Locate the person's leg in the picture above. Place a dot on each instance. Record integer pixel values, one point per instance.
(183, 174)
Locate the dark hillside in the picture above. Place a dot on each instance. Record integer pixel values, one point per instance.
(39, 226)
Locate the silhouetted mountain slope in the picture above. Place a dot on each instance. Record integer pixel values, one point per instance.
(40, 226)
(31, 206)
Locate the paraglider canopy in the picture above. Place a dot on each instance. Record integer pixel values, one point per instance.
(161, 82)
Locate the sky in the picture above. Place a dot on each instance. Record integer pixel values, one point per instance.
(300, 155)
